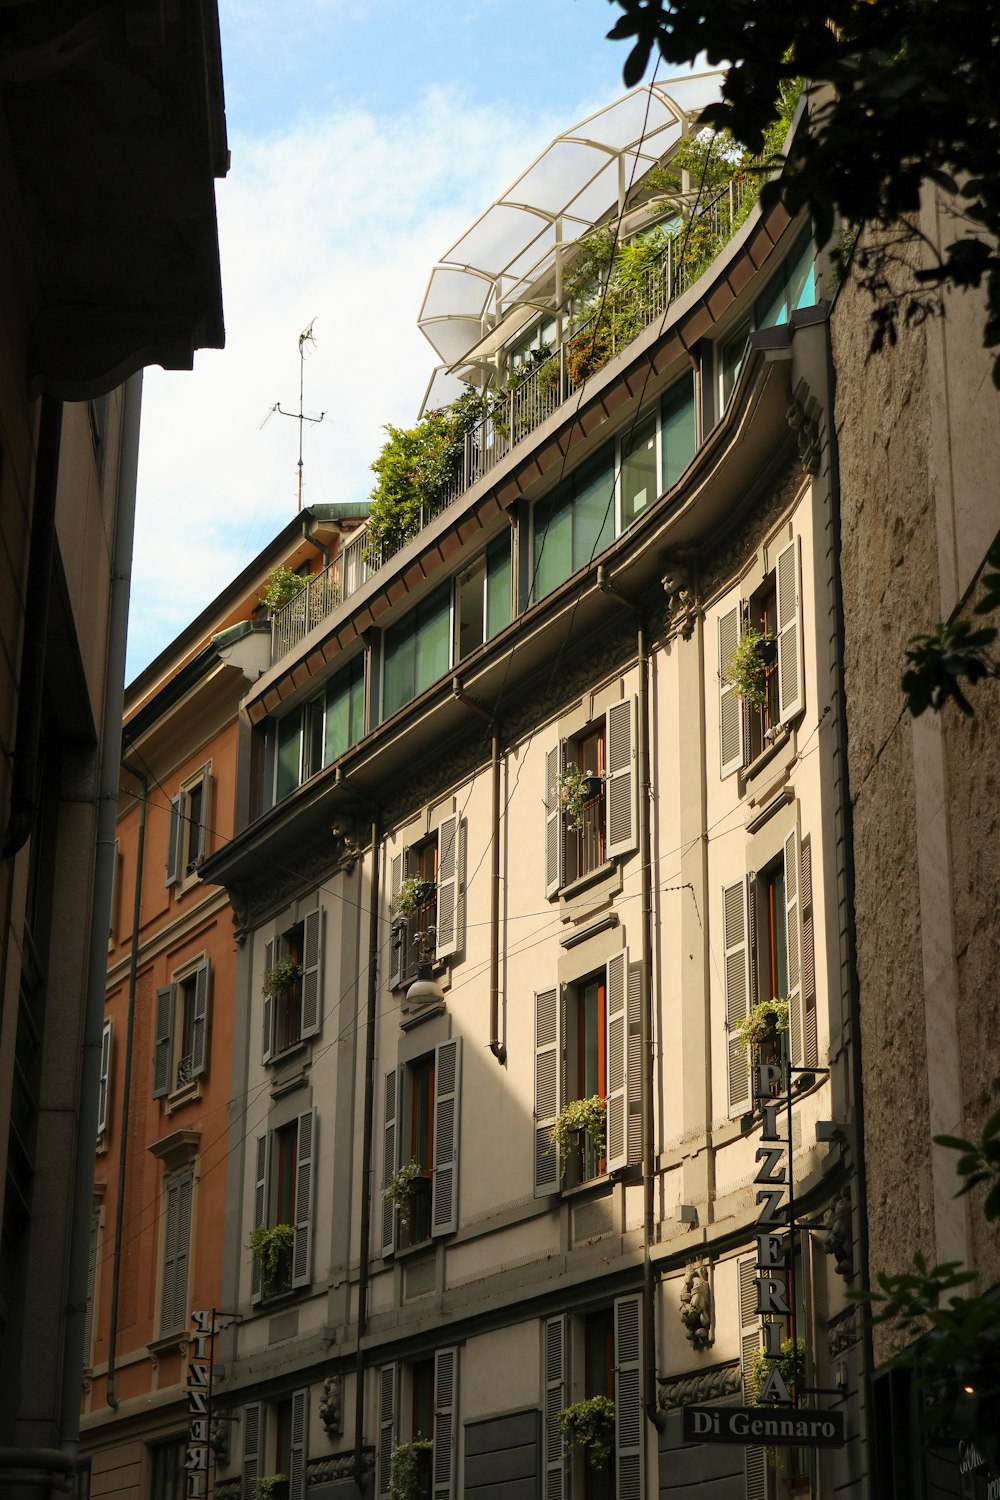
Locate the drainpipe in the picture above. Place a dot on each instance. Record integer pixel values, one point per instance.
(367, 1186)
(657, 1417)
(496, 1045)
(321, 547)
(133, 967)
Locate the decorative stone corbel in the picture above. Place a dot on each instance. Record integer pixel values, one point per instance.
(682, 604)
(839, 1235)
(218, 1438)
(803, 417)
(331, 1406)
(696, 1307)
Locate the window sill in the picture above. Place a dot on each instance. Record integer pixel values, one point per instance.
(409, 1252)
(184, 1095)
(167, 1343)
(752, 776)
(597, 1187)
(289, 1069)
(584, 882)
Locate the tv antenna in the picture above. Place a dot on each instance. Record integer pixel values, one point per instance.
(305, 337)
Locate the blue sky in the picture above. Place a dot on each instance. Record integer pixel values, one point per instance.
(365, 139)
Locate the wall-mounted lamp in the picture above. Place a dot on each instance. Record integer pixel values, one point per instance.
(425, 989)
(686, 1213)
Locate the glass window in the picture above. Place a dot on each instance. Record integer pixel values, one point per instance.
(470, 588)
(345, 710)
(289, 753)
(574, 523)
(417, 650)
(498, 585)
(793, 286)
(167, 1472)
(587, 1071)
(639, 486)
(731, 360)
(678, 430)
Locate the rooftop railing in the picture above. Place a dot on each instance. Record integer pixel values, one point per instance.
(530, 403)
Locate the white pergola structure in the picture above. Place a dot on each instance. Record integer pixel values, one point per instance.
(507, 268)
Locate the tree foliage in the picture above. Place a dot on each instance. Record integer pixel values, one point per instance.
(956, 654)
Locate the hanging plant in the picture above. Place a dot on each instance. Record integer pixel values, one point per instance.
(577, 789)
(587, 1115)
(271, 1244)
(271, 1487)
(746, 673)
(590, 1425)
(768, 1018)
(282, 586)
(279, 978)
(412, 895)
(399, 1190)
(791, 1366)
(407, 1469)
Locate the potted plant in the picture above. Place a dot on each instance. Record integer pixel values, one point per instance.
(791, 1366)
(412, 895)
(747, 670)
(282, 586)
(272, 1487)
(279, 978)
(590, 1425)
(400, 1190)
(272, 1245)
(766, 1021)
(409, 1469)
(587, 1115)
(577, 789)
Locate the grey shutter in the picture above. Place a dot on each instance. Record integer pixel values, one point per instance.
(620, 800)
(174, 841)
(163, 1041)
(299, 1446)
(253, 1442)
(732, 730)
(267, 1041)
(450, 894)
(388, 1400)
(735, 960)
(810, 1045)
(304, 1177)
(397, 938)
(791, 693)
(548, 1068)
(793, 943)
(447, 1118)
(169, 1258)
(259, 1209)
(755, 1459)
(556, 1362)
(206, 816)
(104, 1086)
(445, 1423)
(555, 854)
(312, 972)
(391, 1122)
(633, 1064)
(629, 1416)
(199, 1037)
(181, 1254)
(616, 1024)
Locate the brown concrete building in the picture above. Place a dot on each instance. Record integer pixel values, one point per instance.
(112, 132)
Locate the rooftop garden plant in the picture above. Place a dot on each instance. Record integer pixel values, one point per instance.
(282, 586)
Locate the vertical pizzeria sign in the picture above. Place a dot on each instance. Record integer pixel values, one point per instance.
(199, 1374)
(776, 1420)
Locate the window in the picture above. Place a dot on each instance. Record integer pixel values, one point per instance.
(598, 1354)
(483, 598)
(776, 610)
(187, 837)
(283, 1194)
(315, 735)
(731, 357)
(436, 929)
(180, 1047)
(167, 1475)
(293, 1012)
(420, 1401)
(586, 1036)
(605, 826)
(104, 1084)
(573, 524)
(639, 486)
(276, 1441)
(176, 1237)
(417, 650)
(81, 1480)
(536, 345)
(114, 913)
(794, 286)
(679, 437)
(421, 1122)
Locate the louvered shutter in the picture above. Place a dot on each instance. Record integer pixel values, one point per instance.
(206, 816)
(298, 1449)
(555, 853)
(398, 934)
(267, 1040)
(734, 923)
(259, 1210)
(629, 1417)
(169, 1261)
(391, 1112)
(312, 972)
(633, 1063)
(616, 1020)
(556, 1364)
(810, 1045)
(199, 1033)
(732, 726)
(750, 1342)
(791, 693)
(179, 1317)
(793, 942)
(388, 1400)
(447, 1117)
(445, 1423)
(305, 1161)
(620, 799)
(548, 1070)
(104, 1085)
(450, 892)
(174, 841)
(253, 1443)
(163, 1041)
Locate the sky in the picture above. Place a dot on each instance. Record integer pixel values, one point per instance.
(365, 139)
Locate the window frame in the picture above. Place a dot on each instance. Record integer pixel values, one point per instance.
(439, 592)
(307, 986)
(168, 1486)
(168, 1030)
(619, 795)
(482, 559)
(302, 1196)
(448, 840)
(445, 1144)
(104, 1081)
(183, 867)
(396, 1414)
(309, 720)
(175, 1248)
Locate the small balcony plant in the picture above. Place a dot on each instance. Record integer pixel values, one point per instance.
(577, 790)
(400, 1190)
(282, 586)
(272, 1487)
(791, 1366)
(412, 895)
(590, 1425)
(747, 671)
(766, 1021)
(279, 978)
(580, 1115)
(409, 1470)
(272, 1245)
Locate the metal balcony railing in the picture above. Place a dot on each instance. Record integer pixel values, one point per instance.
(528, 405)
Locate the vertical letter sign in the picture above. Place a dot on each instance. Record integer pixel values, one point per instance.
(198, 1370)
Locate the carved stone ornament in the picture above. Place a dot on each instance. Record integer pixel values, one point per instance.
(839, 1236)
(682, 602)
(331, 1406)
(229, 1489)
(696, 1307)
(706, 1385)
(338, 1466)
(842, 1331)
(218, 1439)
(802, 417)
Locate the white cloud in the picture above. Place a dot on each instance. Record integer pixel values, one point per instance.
(341, 219)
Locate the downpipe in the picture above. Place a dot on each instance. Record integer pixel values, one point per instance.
(496, 1044)
(367, 1189)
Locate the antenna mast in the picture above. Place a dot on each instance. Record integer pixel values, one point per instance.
(305, 337)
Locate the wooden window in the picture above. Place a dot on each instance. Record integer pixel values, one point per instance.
(167, 1474)
(188, 830)
(608, 827)
(599, 1380)
(176, 1244)
(295, 1013)
(421, 1122)
(284, 1195)
(180, 1046)
(588, 1075)
(436, 930)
